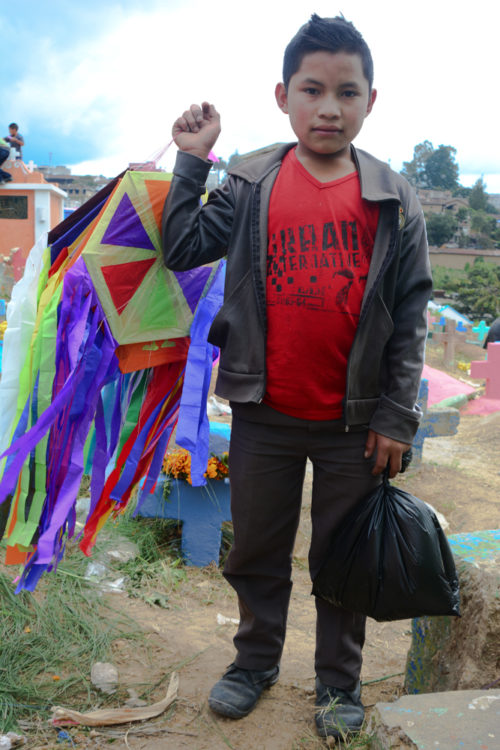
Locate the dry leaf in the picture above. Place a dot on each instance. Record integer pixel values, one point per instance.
(109, 716)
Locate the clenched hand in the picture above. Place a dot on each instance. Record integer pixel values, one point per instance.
(197, 130)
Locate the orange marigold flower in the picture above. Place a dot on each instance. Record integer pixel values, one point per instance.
(177, 465)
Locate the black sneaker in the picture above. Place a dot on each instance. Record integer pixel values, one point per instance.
(238, 691)
(338, 712)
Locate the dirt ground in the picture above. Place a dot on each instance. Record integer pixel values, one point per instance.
(459, 476)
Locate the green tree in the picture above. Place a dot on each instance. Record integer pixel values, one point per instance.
(414, 170)
(233, 160)
(440, 228)
(478, 198)
(432, 168)
(441, 169)
(479, 292)
(484, 227)
(448, 279)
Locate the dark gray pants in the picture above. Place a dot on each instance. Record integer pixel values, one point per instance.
(267, 467)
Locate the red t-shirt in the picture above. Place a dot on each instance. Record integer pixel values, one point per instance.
(321, 238)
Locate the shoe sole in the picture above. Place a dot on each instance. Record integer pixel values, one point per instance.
(229, 711)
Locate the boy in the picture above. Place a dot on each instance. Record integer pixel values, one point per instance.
(15, 139)
(322, 334)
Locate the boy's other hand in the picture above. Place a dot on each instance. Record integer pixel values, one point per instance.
(387, 451)
(197, 130)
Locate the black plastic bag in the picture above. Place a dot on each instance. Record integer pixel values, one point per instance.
(390, 560)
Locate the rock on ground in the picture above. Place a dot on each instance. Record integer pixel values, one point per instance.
(459, 720)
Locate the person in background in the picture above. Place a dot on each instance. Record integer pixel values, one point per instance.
(15, 139)
(4, 155)
(493, 333)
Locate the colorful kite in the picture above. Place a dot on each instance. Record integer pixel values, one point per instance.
(95, 352)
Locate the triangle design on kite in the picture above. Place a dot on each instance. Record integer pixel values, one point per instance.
(123, 280)
(126, 228)
(157, 191)
(193, 283)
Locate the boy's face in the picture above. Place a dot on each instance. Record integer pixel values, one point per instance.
(327, 101)
(12, 131)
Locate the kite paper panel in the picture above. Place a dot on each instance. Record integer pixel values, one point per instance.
(142, 300)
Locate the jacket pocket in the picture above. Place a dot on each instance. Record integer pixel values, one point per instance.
(367, 356)
(234, 329)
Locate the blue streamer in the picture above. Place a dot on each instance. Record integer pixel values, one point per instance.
(193, 429)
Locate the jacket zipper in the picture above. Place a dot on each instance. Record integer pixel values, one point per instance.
(257, 280)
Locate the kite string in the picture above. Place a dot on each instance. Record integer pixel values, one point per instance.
(156, 156)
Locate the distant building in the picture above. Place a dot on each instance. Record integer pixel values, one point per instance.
(79, 188)
(29, 206)
(144, 166)
(440, 201)
(494, 199)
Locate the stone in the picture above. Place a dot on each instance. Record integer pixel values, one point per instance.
(104, 676)
(448, 338)
(435, 422)
(451, 653)
(202, 511)
(459, 720)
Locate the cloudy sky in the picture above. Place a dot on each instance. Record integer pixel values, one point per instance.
(95, 84)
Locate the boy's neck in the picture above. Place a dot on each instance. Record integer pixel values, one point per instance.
(326, 167)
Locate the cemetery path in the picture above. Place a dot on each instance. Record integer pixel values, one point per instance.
(459, 477)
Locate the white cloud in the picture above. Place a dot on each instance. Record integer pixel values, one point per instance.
(434, 64)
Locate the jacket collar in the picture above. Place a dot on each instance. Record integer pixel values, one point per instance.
(377, 179)
(255, 168)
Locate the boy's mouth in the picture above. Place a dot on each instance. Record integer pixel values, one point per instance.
(326, 129)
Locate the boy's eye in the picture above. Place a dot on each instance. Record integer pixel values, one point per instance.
(311, 90)
(350, 93)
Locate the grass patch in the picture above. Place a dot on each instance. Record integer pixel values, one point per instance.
(157, 569)
(49, 641)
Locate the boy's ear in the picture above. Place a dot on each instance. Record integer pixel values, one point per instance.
(371, 101)
(281, 97)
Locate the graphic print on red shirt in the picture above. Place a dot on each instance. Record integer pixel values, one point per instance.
(321, 237)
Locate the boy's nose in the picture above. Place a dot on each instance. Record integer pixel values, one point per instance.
(329, 107)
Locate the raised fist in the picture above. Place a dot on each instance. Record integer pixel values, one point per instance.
(197, 130)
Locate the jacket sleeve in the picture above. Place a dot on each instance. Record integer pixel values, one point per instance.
(397, 415)
(192, 234)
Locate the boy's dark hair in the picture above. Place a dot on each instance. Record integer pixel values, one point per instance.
(14, 125)
(329, 35)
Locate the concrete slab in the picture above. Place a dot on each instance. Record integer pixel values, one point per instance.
(462, 720)
(435, 422)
